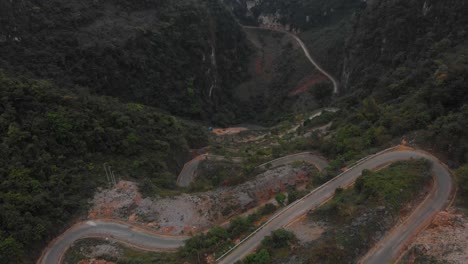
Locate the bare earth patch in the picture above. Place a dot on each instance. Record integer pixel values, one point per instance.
(305, 230)
(446, 239)
(187, 213)
(228, 131)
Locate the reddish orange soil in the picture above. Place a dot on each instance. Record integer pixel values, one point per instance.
(228, 131)
(307, 83)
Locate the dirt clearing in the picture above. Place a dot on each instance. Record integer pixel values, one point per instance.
(187, 213)
(446, 240)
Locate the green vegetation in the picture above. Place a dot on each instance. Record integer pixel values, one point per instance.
(280, 198)
(417, 256)
(402, 75)
(261, 257)
(212, 174)
(294, 195)
(274, 247)
(413, 79)
(359, 215)
(267, 209)
(391, 187)
(149, 51)
(462, 185)
(217, 241)
(53, 148)
(322, 119)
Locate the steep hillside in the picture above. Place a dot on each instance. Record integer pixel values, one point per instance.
(52, 149)
(410, 58)
(323, 25)
(281, 79)
(181, 55)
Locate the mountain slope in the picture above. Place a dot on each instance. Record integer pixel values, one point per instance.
(183, 56)
(53, 147)
(402, 67)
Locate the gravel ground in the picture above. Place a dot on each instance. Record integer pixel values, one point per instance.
(446, 239)
(183, 214)
(305, 230)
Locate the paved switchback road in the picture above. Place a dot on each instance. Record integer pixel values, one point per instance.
(386, 251)
(393, 243)
(140, 238)
(127, 234)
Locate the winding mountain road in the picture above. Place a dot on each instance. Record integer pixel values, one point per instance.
(131, 235)
(306, 53)
(387, 250)
(391, 245)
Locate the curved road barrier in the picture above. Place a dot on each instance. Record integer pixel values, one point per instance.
(133, 236)
(394, 242)
(306, 52)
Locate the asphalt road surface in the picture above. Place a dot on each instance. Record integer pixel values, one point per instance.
(392, 245)
(103, 229)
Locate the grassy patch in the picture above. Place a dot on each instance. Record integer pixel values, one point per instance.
(461, 175)
(212, 174)
(274, 247)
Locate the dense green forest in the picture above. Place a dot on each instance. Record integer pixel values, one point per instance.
(52, 152)
(184, 56)
(410, 58)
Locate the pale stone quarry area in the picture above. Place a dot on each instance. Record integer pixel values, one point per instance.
(444, 241)
(190, 213)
